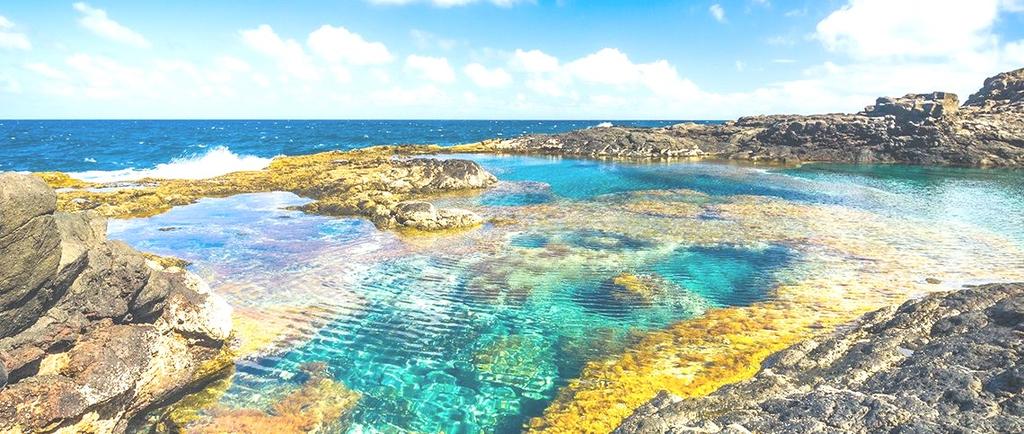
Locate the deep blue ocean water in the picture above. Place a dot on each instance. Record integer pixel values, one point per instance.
(89, 145)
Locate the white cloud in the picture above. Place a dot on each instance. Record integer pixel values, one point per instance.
(484, 77)
(607, 66)
(534, 61)
(288, 54)
(717, 12)
(12, 40)
(449, 3)
(868, 29)
(339, 45)
(97, 21)
(432, 68)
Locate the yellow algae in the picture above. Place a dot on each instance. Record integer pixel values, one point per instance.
(318, 405)
(367, 182)
(645, 287)
(851, 262)
(59, 180)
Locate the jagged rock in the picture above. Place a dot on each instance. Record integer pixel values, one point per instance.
(915, 107)
(947, 362)
(1005, 87)
(30, 248)
(102, 332)
(915, 129)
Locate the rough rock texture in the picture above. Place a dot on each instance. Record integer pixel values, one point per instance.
(367, 182)
(948, 362)
(988, 130)
(92, 332)
(424, 216)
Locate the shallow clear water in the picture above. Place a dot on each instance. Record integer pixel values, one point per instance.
(476, 332)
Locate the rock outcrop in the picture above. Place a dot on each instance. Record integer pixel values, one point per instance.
(930, 129)
(368, 182)
(948, 362)
(91, 331)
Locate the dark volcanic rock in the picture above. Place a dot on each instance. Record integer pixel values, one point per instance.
(945, 363)
(988, 130)
(91, 331)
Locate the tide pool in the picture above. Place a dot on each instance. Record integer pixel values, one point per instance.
(490, 330)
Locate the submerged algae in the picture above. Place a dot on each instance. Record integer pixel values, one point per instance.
(370, 182)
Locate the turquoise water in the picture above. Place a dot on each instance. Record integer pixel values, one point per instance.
(477, 332)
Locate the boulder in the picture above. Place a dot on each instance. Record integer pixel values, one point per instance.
(94, 332)
(31, 250)
(424, 216)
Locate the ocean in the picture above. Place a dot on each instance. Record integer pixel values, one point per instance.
(110, 150)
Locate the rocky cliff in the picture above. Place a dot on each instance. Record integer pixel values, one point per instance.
(945, 363)
(932, 129)
(92, 332)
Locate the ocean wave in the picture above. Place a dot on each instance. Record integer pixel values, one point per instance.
(217, 161)
(603, 125)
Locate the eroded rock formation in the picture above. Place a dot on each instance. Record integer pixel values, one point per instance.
(948, 362)
(369, 182)
(988, 130)
(91, 331)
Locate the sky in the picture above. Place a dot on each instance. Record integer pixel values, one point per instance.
(492, 59)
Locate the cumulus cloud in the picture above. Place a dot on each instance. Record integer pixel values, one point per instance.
(424, 95)
(97, 21)
(10, 39)
(717, 12)
(488, 78)
(913, 28)
(534, 61)
(431, 68)
(338, 44)
(289, 55)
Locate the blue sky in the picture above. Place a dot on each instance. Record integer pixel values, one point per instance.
(505, 59)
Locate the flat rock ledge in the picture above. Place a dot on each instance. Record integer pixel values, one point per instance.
(92, 332)
(369, 182)
(923, 129)
(948, 362)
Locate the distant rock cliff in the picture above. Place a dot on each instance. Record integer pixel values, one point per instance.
(945, 363)
(92, 332)
(929, 129)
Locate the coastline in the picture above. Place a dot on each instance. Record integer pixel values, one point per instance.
(391, 187)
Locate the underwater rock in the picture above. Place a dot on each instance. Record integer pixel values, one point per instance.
(100, 332)
(636, 288)
(928, 129)
(948, 362)
(319, 405)
(525, 362)
(368, 182)
(424, 216)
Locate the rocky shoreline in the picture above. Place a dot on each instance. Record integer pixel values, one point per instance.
(384, 184)
(923, 129)
(948, 362)
(93, 332)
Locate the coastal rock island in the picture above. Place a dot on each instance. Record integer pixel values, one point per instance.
(93, 332)
(948, 362)
(926, 129)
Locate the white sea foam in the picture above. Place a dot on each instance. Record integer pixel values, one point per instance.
(604, 125)
(215, 162)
